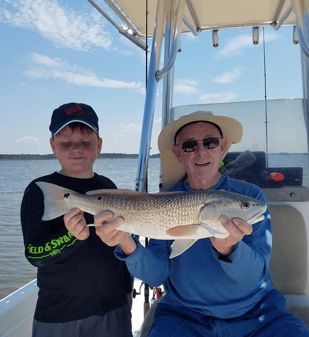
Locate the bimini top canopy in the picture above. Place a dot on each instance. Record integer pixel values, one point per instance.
(166, 20)
(202, 15)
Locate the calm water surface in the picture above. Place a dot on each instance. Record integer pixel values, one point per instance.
(15, 270)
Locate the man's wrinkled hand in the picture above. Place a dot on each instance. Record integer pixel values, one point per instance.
(237, 228)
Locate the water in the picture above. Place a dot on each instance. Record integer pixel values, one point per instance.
(15, 270)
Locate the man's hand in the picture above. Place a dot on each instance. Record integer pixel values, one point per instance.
(109, 234)
(237, 228)
(76, 224)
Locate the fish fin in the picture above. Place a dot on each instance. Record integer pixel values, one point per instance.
(169, 193)
(215, 230)
(182, 230)
(115, 192)
(180, 246)
(53, 200)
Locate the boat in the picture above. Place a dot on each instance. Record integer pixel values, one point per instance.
(285, 183)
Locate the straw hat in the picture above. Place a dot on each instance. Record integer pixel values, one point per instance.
(172, 170)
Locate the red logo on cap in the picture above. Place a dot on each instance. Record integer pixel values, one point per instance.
(74, 110)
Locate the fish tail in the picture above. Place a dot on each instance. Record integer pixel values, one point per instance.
(54, 205)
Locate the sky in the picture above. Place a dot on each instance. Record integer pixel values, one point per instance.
(54, 52)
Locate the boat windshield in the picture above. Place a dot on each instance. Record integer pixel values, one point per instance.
(274, 151)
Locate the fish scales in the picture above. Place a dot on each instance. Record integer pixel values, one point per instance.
(188, 216)
(153, 209)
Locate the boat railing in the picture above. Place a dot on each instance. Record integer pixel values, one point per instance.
(16, 311)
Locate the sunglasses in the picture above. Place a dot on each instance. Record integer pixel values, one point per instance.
(209, 143)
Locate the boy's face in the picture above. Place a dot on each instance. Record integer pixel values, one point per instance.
(76, 151)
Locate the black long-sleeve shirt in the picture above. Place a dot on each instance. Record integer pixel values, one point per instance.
(76, 279)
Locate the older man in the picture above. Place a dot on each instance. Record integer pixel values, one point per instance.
(218, 287)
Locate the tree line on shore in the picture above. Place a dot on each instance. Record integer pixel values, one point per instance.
(51, 156)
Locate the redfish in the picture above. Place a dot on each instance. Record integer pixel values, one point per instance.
(181, 216)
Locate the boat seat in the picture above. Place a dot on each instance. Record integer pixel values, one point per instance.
(288, 264)
(289, 261)
(148, 319)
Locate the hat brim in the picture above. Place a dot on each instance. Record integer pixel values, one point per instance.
(173, 171)
(61, 126)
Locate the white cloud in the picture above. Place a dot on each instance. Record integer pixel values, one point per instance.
(218, 97)
(27, 139)
(229, 76)
(137, 128)
(236, 45)
(46, 60)
(55, 68)
(185, 87)
(131, 127)
(65, 27)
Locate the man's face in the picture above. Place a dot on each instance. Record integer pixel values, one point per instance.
(76, 151)
(201, 165)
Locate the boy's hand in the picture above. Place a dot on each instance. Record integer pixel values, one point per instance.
(109, 234)
(75, 223)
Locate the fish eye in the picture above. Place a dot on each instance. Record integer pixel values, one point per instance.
(245, 205)
(66, 195)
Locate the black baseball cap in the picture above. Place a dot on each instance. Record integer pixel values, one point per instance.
(73, 112)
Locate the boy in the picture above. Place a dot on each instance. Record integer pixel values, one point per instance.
(82, 286)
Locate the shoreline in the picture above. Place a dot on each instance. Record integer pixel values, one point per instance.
(14, 157)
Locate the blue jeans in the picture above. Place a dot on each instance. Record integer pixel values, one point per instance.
(267, 319)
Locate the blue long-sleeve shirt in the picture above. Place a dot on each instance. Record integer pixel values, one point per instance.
(202, 279)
